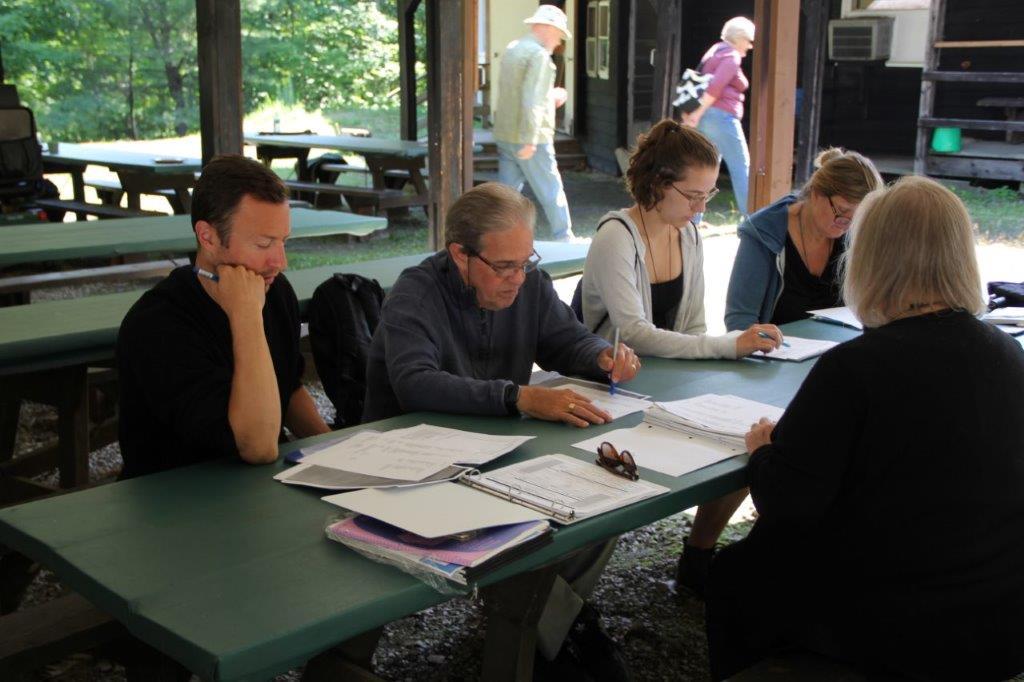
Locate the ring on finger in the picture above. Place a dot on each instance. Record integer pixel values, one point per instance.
(572, 406)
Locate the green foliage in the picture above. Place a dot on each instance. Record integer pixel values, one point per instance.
(326, 55)
(114, 69)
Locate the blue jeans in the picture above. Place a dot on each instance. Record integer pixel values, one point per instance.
(541, 171)
(726, 132)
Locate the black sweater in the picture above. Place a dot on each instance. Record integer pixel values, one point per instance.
(436, 349)
(896, 477)
(175, 366)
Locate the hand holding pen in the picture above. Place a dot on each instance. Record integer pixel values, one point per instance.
(759, 337)
(620, 362)
(235, 288)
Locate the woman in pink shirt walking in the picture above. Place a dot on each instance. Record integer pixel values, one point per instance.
(721, 107)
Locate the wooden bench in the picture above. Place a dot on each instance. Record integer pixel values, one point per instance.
(56, 208)
(359, 199)
(42, 634)
(23, 284)
(110, 193)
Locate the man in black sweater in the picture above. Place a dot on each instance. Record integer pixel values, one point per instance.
(460, 333)
(208, 360)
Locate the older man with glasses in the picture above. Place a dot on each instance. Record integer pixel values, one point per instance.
(460, 333)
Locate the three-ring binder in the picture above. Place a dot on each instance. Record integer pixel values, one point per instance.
(562, 513)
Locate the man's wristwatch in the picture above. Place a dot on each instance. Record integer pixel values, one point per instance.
(512, 398)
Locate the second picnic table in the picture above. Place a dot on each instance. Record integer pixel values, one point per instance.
(139, 172)
(388, 162)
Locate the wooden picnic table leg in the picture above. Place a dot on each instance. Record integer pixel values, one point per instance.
(513, 608)
(73, 428)
(10, 410)
(350, 660)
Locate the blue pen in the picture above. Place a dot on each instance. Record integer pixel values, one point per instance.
(205, 273)
(615, 354)
(766, 335)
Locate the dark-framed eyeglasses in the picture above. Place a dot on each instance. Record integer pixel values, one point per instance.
(506, 269)
(620, 463)
(697, 198)
(839, 217)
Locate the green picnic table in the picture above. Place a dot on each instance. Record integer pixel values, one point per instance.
(34, 243)
(46, 350)
(229, 572)
(138, 172)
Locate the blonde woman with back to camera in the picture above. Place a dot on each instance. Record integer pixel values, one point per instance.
(889, 494)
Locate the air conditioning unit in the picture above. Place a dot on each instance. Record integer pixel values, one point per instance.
(860, 40)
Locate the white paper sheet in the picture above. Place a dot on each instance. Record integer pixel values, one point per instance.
(618, 405)
(799, 349)
(1009, 315)
(1011, 329)
(841, 315)
(664, 450)
(414, 453)
(726, 414)
(433, 511)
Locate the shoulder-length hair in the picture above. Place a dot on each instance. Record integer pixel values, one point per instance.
(911, 245)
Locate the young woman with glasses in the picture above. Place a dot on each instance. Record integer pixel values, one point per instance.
(789, 251)
(644, 273)
(644, 276)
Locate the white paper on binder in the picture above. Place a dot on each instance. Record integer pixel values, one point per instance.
(433, 511)
(664, 450)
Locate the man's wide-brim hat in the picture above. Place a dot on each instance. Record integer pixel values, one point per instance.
(552, 16)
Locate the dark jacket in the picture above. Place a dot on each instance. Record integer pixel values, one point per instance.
(436, 349)
(891, 513)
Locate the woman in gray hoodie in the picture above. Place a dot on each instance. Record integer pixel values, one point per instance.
(644, 276)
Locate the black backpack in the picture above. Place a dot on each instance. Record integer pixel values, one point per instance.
(343, 315)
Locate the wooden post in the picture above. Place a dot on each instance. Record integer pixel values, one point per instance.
(772, 106)
(936, 27)
(667, 62)
(815, 28)
(219, 31)
(451, 85)
(407, 66)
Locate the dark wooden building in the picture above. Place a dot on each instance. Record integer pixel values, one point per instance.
(870, 105)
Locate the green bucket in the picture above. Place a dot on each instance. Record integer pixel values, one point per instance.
(946, 140)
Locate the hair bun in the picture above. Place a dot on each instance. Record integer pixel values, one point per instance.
(827, 155)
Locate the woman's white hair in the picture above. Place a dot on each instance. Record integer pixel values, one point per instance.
(911, 245)
(736, 28)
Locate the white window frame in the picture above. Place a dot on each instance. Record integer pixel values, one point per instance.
(590, 56)
(597, 46)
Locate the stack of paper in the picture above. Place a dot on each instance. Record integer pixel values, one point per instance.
(419, 454)
(797, 349)
(725, 418)
(461, 558)
(1005, 316)
(842, 316)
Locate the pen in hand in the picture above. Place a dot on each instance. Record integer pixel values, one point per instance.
(205, 273)
(766, 335)
(615, 355)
